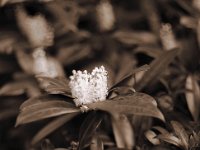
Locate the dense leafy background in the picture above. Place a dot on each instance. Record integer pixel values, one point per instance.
(165, 34)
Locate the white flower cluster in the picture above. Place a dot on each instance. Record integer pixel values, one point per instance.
(42, 65)
(89, 87)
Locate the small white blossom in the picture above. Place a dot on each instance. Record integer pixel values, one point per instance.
(42, 65)
(88, 88)
(105, 15)
(167, 37)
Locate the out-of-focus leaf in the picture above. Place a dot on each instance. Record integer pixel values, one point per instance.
(88, 128)
(133, 38)
(25, 60)
(97, 143)
(129, 76)
(149, 51)
(64, 21)
(47, 145)
(181, 133)
(152, 137)
(157, 67)
(136, 104)
(51, 127)
(44, 110)
(55, 85)
(20, 87)
(193, 96)
(188, 22)
(126, 60)
(70, 54)
(171, 139)
(123, 131)
(4, 2)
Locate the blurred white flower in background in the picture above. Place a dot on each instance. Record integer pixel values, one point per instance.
(45, 66)
(105, 15)
(88, 88)
(35, 28)
(167, 37)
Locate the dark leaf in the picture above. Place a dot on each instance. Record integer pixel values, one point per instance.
(157, 67)
(51, 127)
(136, 104)
(126, 60)
(88, 128)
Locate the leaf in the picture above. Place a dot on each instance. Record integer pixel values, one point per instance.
(193, 96)
(25, 61)
(157, 67)
(123, 131)
(125, 60)
(51, 127)
(57, 85)
(129, 76)
(4, 2)
(97, 143)
(135, 104)
(44, 110)
(152, 137)
(20, 87)
(169, 138)
(133, 38)
(181, 133)
(161, 130)
(88, 128)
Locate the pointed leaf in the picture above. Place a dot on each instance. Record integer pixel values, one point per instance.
(136, 104)
(45, 110)
(152, 137)
(157, 67)
(193, 96)
(130, 75)
(123, 131)
(171, 139)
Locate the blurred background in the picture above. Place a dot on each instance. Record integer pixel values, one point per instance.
(53, 37)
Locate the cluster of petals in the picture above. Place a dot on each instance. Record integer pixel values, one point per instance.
(89, 87)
